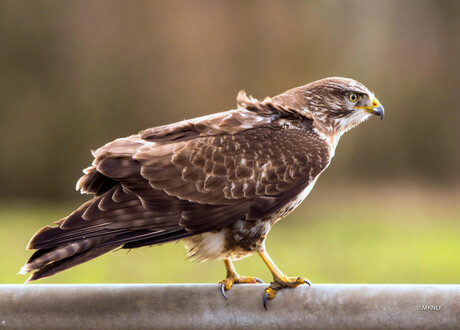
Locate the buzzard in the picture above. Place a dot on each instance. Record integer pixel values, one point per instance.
(218, 183)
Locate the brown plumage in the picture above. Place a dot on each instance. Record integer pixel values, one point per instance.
(217, 182)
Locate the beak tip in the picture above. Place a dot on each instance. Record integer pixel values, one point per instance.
(378, 111)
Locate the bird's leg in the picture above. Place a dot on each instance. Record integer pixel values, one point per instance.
(234, 278)
(280, 281)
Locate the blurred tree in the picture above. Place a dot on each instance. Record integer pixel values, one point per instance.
(77, 74)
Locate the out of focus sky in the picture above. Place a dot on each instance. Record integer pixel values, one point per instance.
(77, 74)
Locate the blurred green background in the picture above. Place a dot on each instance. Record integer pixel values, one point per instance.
(77, 74)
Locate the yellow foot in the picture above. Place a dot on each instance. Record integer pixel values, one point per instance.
(278, 284)
(226, 284)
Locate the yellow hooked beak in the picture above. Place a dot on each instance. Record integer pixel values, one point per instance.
(376, 108)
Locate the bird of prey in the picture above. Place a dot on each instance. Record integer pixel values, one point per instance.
(218, 183)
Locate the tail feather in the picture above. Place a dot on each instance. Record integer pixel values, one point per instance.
(47, 262)
(43, 257)
(51, 237)
(68, 262)
(115, 218)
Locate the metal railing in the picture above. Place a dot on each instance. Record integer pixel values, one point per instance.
(201, 306)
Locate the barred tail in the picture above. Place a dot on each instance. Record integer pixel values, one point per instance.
(47, 262)
(114, 219)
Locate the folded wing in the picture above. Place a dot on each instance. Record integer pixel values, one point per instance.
(173, 181)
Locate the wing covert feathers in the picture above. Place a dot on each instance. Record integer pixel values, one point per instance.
(177, 180)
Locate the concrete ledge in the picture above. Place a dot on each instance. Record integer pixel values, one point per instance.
(199, 306)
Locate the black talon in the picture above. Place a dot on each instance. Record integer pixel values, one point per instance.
(222, 290)
(258, 280)
(265, 300)
(307, 282)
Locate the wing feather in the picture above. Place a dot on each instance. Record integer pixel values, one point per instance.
(177, 180)
(199, 174)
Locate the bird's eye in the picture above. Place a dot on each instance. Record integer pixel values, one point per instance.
(353, 97)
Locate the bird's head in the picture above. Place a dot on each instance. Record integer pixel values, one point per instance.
(337, 103)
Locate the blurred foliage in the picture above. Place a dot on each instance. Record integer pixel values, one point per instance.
(366, 235)
(77, 74)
